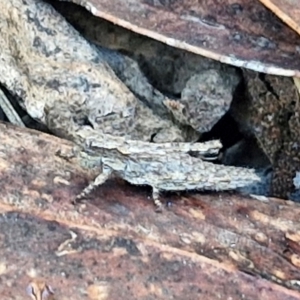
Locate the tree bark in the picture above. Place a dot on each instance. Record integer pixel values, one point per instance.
(204, 246)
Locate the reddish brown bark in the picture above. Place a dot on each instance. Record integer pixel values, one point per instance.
(217, 246)
(287, 10)
(242, 33)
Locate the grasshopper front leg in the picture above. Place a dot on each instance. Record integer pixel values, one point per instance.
(99, 180)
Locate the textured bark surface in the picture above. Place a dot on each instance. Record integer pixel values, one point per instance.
(241, 33)
(287, 10)
(217, 246)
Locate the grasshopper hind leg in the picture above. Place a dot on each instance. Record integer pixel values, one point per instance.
(156, 200)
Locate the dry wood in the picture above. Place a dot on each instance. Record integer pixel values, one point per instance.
(243, 34)
(216, 246)
(287, 10)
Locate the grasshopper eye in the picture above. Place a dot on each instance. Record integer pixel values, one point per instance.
(39, 291)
